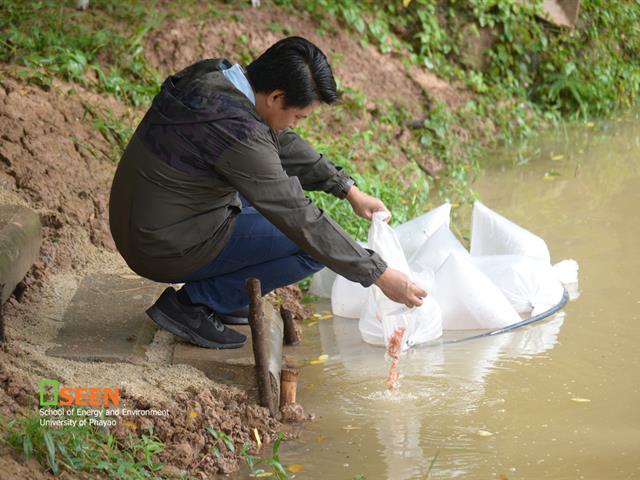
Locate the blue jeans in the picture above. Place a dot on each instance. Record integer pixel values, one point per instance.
(255, 249)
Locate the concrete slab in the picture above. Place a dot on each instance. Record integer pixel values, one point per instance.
(237, 366)
(106, 320)
(20, 239)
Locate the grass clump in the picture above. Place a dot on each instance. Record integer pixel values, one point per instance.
(88, 449)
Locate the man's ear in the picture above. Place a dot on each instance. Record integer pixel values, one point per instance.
(275, 97)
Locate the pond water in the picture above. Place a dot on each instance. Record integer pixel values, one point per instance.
(556, 400)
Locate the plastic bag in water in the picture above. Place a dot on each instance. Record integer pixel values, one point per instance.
(347, 298)
(437, 249)
(493, 234)
(468, 299)
(381, 316)
(528, 283)
(413, 233)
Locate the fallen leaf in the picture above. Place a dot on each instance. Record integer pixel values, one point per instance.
(484, 433)
(321, 438)
(580, 400)
(348, 428)
(257, 436)
(320, 360)
(557, 157)
(295, 468)
(551, 174)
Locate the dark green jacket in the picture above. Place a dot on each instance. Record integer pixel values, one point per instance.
(174, 198)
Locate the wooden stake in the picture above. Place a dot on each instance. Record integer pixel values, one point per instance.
(292, 331)
(258, 337)
(288, 385)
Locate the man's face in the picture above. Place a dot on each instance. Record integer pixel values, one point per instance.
(272, 108)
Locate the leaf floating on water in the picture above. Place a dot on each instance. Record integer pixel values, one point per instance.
(580, 400)
(295, 468)
(320, 360)
(550, 175)
(557, 157)
(484, 433)
(591, 125)
(348, 428)
(261, 474)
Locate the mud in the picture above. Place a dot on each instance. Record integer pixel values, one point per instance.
(184, 432)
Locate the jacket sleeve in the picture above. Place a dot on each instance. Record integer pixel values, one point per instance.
(315, 171)
(253, 167)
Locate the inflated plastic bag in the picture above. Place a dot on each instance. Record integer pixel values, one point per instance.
(381, 316)
(347, 298)
(468, 299)
(493, 234)
(322, 283)
(436, 249)
(413, 233)
(529, 284)
(422, 324)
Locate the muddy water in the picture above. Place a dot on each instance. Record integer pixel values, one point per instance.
(558, 400)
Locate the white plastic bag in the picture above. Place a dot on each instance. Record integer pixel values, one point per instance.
(468, 299)
(493, 234)
(347, 298)
(528, 283)
(381, 316)
(413, 233)
(436, 249)
(322, 283)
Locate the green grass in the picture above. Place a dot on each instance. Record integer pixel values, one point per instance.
(86, 449)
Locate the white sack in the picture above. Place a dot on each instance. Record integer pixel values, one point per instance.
(436, 249)
(528, 283)
(566, 271)
(468, 299)
(413, 233)
(493, 234)
(322, 281)
(347, 298)
(381, 316)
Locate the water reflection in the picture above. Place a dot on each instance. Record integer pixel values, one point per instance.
(441, 379)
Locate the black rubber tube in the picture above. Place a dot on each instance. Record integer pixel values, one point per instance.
(508, 328)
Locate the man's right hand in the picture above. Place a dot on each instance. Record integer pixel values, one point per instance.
(399, 288)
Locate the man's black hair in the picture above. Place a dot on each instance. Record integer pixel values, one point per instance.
(297, 67)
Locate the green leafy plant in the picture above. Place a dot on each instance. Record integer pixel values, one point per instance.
(273, 462)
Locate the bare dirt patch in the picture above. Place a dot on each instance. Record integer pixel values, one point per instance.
(54, 160)
(180, 43)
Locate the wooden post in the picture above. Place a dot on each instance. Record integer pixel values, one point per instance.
(288, 385)
(292, 331)
(258, 338)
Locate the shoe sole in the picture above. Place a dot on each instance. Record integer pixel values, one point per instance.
(229, 320)
(185, 333)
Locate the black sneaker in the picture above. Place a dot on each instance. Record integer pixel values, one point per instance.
(198, 324)
(239, 317)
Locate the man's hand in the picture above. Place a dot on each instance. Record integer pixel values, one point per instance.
(365, 205)
(399, 288)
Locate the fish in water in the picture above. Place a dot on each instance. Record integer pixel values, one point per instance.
(394, 347)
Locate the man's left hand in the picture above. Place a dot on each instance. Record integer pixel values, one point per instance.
(364, 205)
